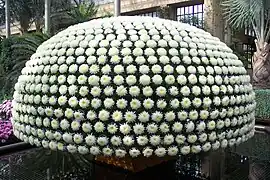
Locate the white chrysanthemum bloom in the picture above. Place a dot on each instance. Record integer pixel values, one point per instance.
(148, 103)
(157, 116)
(180, 69)
(156, 69)
(134, 152)
(128, 140)
(95, 150)
(72, 89)
(170, 116)
(121, 90)
(182, 80)
(192, 138)
(144, 116)
(117, 141)
(147, 152)
(206, 147)
(196, 149)
(172, 151)
(138, 129)
(145, 80)
(87, 127)
(168, 69)
(185, 150)
(147, 91)
(155, 140)
(157, 79)
(125, 129)
(160, 152)
(168, 139)
(118, 80)
(102, 141)
(142, 140)
(99, 127)
(169, 79)
(174, 91)
(131, 80)
(106, 69)
(120, 153)
(130, 116)
(185, 91)
(134, 91)
(164, 128)
(144, 69)
(117, 116)
(61, 79)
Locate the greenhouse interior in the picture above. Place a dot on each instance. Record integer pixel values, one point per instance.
(134, 90)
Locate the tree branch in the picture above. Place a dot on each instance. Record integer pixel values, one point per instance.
(267, 35)
(77, 4)
(266, 28)
(262, 24)
(256, 30)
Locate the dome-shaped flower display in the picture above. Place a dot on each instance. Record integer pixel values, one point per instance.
(134, 86)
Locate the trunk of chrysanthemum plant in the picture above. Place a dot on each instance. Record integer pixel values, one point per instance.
(261, 66)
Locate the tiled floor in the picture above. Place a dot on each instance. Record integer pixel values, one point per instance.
(248, 161)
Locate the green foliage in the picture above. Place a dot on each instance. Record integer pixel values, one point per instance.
(4, 97)
(255, 13)
(6, 58)
(240, 54)
(15, 52)
(26, 12)
(263, 105)
(192, 20)
(83, 11)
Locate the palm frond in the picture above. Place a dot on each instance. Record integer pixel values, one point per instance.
(84, 11)
(241, 13)
(244, 13)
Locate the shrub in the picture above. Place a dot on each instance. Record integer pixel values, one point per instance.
(15, 52)
(263, 105)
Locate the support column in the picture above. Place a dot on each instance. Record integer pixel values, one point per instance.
(227, 34)
(117, 8)
(48, 17)
(213, 18)
(7, 16)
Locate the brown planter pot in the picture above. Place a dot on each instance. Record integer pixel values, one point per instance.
(133, 164)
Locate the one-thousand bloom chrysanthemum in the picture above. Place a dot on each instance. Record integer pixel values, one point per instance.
(134, 86)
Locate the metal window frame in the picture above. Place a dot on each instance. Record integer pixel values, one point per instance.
(188, 12)
(248, 50)
(143, 12)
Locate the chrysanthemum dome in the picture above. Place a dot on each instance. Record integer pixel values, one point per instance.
(134, 86)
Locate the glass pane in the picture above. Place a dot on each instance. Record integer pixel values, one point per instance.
(178, 11)
(200, 8)
(196, 8)
(191, 9)
(244, 47)
(186, 10)
(154, 14)
(182, 10)
(200, 16)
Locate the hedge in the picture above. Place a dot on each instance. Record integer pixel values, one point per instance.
(263, 103)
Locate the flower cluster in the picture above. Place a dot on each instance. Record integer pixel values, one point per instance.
(6, 132)
(134, 86)
(6, 110)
